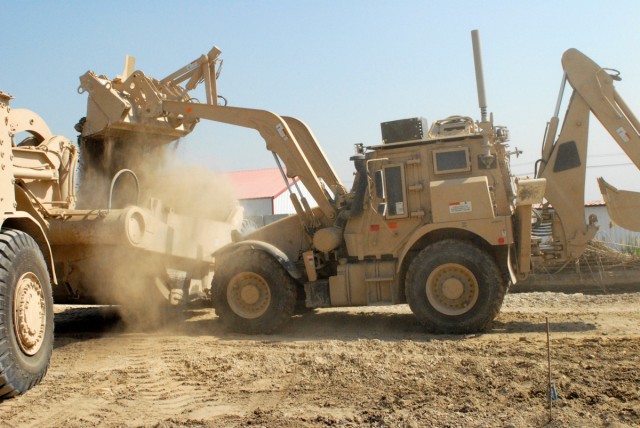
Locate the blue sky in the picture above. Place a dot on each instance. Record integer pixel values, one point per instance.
(341, 66)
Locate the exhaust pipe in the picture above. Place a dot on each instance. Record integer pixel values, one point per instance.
(487, 158)
(477, 60)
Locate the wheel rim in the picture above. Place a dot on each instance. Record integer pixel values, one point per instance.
(452, 289)
(30, 313)
(248, 295)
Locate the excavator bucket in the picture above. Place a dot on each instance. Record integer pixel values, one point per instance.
(623, 205)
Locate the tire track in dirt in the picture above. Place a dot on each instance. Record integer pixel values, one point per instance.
(62, 406)
(147, 385)
(132, 376)
(346, 367)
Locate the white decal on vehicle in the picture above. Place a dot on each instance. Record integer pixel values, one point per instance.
(460, 207)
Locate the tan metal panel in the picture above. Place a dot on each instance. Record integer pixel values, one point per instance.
(461, 199)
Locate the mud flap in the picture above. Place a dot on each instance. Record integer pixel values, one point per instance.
(511, 268)
(623, 205)
(317, 294)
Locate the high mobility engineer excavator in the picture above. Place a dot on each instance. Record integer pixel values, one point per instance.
(434, 218)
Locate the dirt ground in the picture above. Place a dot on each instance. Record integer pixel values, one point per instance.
(345, 367)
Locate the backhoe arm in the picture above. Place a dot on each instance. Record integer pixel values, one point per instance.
(315, 154)
(563, 161)
(135, 107)
(279, 138)
(595, 86)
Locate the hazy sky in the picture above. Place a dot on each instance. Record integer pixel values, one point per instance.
(341, 66)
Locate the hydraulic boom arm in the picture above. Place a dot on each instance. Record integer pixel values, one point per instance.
(135, 106)
(563, 161)
(280, 140)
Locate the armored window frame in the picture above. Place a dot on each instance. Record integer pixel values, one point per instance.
(378, 184)
(456, 165)
(395, 191)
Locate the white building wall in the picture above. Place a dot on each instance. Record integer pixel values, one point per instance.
(611, 233)
(256, 207)
(282, 203)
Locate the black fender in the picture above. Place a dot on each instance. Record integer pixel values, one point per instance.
(274, 251)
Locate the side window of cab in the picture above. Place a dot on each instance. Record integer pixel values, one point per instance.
(452, 160)
(391, 192)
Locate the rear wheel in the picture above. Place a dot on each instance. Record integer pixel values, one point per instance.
(26, 314)
(252, 293)
(454, 287)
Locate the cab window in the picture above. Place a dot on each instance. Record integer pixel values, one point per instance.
(448, 161)
(390, 191)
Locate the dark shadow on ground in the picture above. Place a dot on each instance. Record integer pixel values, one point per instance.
(77, 324)
(375, 326)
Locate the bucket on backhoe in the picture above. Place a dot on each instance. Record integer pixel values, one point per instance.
(623, 205)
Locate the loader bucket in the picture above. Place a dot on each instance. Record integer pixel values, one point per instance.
(623, 205)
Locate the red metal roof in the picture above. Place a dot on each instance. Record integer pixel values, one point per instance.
(257, 183)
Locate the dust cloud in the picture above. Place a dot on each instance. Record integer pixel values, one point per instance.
(128, 279)
(136, 280)
(194, 191)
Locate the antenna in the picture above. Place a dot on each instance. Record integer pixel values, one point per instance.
(477, 60)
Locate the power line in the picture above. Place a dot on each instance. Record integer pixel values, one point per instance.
(602, 155)
(612, 164)
(588, 166)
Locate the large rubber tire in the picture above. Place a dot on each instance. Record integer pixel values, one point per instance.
(253, 294)
(454, 287)
(26, 314)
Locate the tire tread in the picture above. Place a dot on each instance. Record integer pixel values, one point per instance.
(277, 316)
(12, 242)
(452, 248)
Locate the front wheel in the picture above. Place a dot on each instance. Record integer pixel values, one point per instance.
(455, 287)
(252, 293)
(26, 314)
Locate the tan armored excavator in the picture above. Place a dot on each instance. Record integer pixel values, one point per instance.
(434, 219)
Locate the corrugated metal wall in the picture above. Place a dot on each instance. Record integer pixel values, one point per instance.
(256, 207)
(282, 204)
(611, 233)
